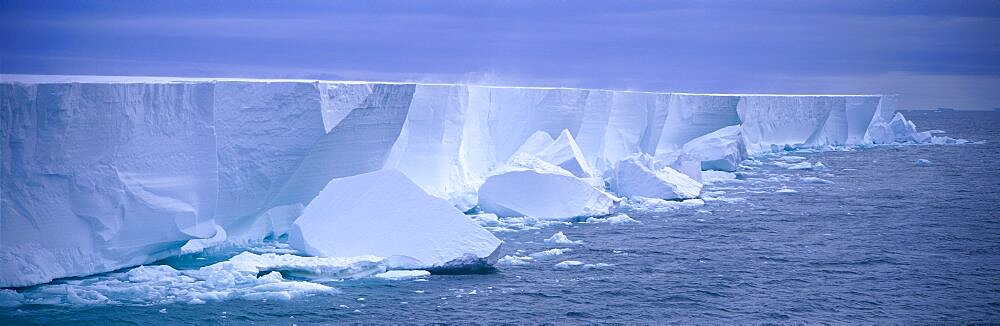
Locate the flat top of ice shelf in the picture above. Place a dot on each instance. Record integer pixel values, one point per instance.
(48, 79)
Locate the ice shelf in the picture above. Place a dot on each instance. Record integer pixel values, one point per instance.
(100, 173)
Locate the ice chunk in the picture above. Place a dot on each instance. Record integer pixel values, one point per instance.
(633, 177)
(922, 162)
(528, 186)
(898, 129)
(905, 131)
(402, 274)
(616, 219)
(550, 253)
(383, 213)
(568, 264)
(244, 276)
(721, 150)
(560, 238)
(786, 191)
(509, 260)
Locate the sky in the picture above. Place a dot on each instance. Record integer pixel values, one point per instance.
(932, 53)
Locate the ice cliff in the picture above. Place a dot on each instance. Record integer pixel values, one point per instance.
(101, 173)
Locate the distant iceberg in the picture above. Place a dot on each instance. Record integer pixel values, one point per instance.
(101, 173)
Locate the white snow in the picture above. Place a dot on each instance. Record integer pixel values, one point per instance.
(634, 176)
(105, 172)
(383, 213)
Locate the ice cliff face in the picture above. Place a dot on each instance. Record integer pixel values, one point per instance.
(100, 173)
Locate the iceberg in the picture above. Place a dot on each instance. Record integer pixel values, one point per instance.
(721, 150)
(634, 177)
(528, 186)
(100, 173)
(385, 214)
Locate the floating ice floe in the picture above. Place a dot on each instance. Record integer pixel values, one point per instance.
(397, 275)
(615, 219)
(383, 213)
(528, 186)
(800, 165)
(642, 204)
(922, 162)
(245, 276)
(550, 253)
(786, 191)
(568, 264)
(510, 260)
(634, 177)
(561, 239)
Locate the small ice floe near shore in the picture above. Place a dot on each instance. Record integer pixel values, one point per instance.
(560, 238)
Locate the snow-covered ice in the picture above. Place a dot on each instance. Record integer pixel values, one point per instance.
(635, 176)
(383, 213)
(528, 186)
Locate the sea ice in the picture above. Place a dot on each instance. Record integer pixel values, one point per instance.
(560, 238)
(550, 253)
(383, 213)
(615, 219)
(642, 204)
(568, 264)
(397, 275)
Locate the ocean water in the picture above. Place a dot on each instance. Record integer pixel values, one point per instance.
(873, 237)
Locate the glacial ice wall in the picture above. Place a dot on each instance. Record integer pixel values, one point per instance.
(100, 173)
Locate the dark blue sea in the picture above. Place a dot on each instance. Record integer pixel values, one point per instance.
(874, 237)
